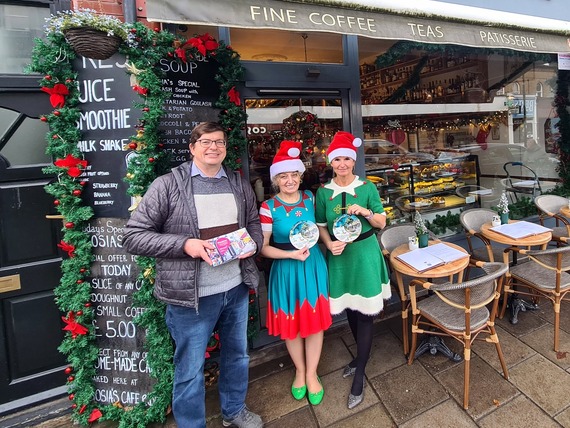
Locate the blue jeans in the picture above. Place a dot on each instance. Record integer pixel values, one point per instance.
(191, 331)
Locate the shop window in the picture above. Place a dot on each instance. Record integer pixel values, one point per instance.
(539, 89)
(287, 46)
(23, 139)
(19, 26)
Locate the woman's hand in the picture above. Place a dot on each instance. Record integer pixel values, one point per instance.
(300, 255)
(358, 210)
(336, 247)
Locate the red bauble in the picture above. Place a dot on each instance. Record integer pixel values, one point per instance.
(76, 192)
(56, 202)
(74, 406)
(70, 379)
(48, 77)
(79, 281)
(146, 109)
(133, 30)
(156, 29)
(68, 80)
(71, 396)
(82, 270)
(56, 113)
(151, 160)
(43, 119)
(55, 136)
(87, 305)
(82, 183)
(133, 146)
(68, 370)
(80, 312)
(69, 225)
(160, 145)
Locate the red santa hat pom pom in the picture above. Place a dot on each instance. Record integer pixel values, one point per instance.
(343, 144)
(287, 159)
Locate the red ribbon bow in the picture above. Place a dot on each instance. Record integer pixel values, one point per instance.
(234, 96)
(140, 90)
(57, 94)
(72, 164)
(95, 414)
(67, 248)
(73, 326)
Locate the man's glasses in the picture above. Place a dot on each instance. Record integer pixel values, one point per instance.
(208, 143)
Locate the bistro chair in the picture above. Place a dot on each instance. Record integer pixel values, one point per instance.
(463, 311)
(390, 238)
(544, 275)
(549, 207)
(526, 183)
(472, 220)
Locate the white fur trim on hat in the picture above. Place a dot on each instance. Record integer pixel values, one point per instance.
(286, 166)
(342, 151)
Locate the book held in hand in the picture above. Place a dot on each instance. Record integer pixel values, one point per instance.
(230, 246)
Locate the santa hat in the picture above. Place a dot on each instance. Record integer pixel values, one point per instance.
(287, 159)
(343, 144)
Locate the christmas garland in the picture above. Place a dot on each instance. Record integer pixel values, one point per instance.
(53, 58)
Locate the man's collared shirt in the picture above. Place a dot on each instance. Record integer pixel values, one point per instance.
(197, 171)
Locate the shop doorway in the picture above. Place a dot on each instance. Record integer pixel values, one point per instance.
(310, 118)
(31, 367)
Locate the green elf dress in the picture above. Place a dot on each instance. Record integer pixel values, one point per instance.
(358, 278)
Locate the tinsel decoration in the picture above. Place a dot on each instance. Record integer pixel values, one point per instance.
(303, 126)
(52, 57)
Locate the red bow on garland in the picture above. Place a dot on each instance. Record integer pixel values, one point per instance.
(68, 248)
(234, 96)
(95, 414)
(73, 326)
(140, 90)
(203, 44)
(57, 94)
(72, 164)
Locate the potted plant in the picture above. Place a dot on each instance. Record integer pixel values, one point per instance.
(503, 208)
(89, 33)
(422, 231)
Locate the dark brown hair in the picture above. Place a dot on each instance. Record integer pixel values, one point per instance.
(205, 128)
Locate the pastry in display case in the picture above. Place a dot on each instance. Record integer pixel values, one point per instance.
(426, 186)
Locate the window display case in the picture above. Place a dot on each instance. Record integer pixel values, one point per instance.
(427, 186)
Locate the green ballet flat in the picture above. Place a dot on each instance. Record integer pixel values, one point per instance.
(299, 393)
(315, 398)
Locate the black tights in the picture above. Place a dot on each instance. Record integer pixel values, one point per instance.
(361, 327)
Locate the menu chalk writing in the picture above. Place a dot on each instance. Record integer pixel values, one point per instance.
(107, 121)
(122, 373)
(193, 93)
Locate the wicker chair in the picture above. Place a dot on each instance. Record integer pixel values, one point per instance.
(549, 206)
(472, 220)
(389, 239)
(544, 275)
(460, 311)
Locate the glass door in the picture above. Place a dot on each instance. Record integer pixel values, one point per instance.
(312, 120)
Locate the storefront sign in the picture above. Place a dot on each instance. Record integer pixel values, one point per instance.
(194, 91)
(311, 17)
(107, 121)
(122, 374)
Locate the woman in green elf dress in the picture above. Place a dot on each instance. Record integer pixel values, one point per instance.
(358, 276)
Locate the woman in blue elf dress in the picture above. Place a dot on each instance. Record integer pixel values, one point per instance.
(298, 305)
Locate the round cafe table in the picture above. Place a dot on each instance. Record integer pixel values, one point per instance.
(565, 211)
(433, 344)
(541, 239)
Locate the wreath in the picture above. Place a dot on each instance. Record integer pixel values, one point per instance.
(52, 57)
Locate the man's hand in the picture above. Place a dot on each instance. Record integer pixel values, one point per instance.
(197, 248)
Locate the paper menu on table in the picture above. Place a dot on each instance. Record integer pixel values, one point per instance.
(429, 257)
(520, 229)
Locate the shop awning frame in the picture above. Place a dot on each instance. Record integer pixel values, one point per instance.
(366, 21)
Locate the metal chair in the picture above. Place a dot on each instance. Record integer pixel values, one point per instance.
(460, 311)
(545, 275)
(549, 206)
(527, 181)
(472, 220)
(389, 239)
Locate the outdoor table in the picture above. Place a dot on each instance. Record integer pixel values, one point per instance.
(433, 343)
(541, 239)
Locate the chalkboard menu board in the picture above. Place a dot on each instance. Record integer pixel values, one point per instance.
(193, 92)
(122, 372)
(107, 122)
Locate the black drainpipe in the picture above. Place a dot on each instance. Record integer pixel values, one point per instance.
(130, 11)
